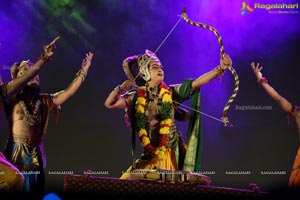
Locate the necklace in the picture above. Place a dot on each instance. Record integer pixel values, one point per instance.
(165, 122)
(31, 119)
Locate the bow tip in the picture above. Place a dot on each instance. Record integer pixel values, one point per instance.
(184, 10)
(226, 122)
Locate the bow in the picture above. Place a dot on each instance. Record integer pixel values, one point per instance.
(231, 69)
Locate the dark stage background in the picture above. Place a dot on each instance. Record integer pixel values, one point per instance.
(90, 136)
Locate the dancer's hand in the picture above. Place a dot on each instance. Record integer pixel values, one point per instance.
(127, 85)
(257, 70)
(50, 48)
(86, 63)
(225, 62)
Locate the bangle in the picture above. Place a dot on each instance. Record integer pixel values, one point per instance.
(82, 74)
(219, 70)
(45, 58)
(118, 89)
(262, 80)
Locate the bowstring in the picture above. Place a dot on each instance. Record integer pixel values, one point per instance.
(198, 111)
(163, 41)
(185, 106)
(181, 104)
(167, 36)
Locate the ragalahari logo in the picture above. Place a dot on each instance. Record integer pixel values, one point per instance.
(246, 8)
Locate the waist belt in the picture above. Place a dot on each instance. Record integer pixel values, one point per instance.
(26, 140)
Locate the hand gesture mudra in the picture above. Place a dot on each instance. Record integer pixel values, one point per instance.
(256, 69)
(87, 61)
(50, 48)
(225, 62)
(127, 85)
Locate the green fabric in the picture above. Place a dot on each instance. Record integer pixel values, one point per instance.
(192, 161)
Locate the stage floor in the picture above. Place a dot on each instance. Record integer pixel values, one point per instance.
(106, 186)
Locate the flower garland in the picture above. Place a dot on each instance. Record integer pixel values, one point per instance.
(165, 123)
